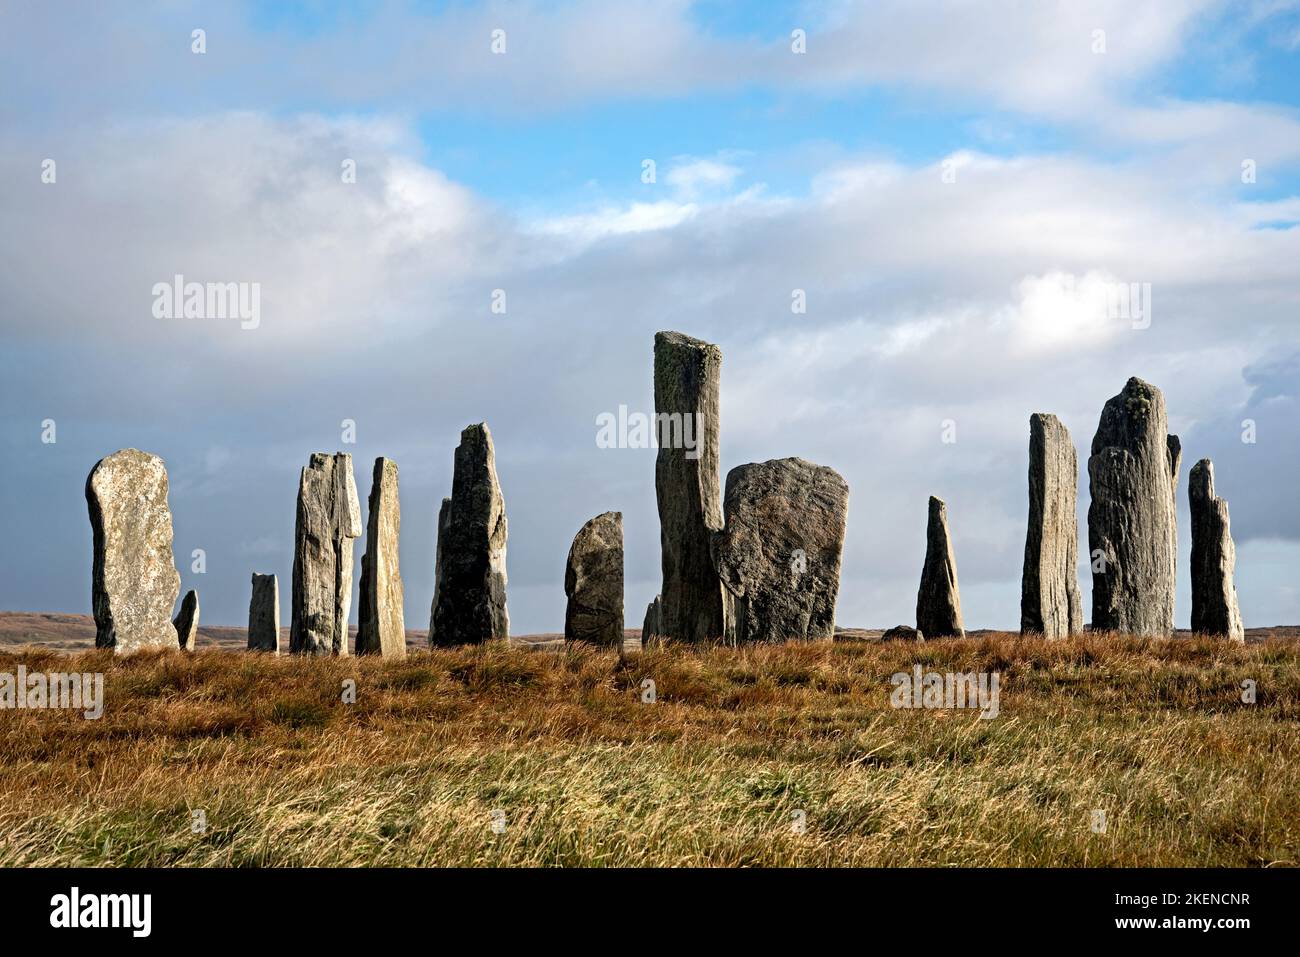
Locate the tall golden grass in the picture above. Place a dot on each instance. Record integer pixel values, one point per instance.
(1153, 733)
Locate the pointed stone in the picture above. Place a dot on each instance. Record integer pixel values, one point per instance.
(938, 603)
(1050, 601)
(779, 552)
(444, 515)
(186, 622)
(653, 624)
(1175, 453)
(1132, 519)
(593, 582)
(134, 582)
(471, 572)
(687, 486)
(264, 614)
(381, 624)
(329, 519)
(1214, 557)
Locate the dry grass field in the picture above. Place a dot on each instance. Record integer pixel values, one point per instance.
(559, 747)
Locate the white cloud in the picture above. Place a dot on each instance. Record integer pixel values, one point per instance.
(1035, 58)
(690, 177)
(273, 209)
(585, 228)
(1059, 311)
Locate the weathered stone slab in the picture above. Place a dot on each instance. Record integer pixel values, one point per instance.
(444, 515)
(471, 572)
(186, 622)
(1175, 450)
(1132, 521)
(381, 623)
(938, 602)
(687, 372)
(134, 582)
(779, 552)
(264, 614)
(902, 633)
(329, 518)
(653, 623)
(593, 582)
(1050, 601)
(1214, 558)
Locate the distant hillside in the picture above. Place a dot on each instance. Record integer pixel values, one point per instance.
(62, 632)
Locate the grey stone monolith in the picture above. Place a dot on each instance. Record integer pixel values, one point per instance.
(1214, 558)
(134, 582)
(444, 513)
(779, 551)
(593, 582)
(695, 605)
(1050, 602)
(653, 623)
(264, 614)
(902, 633)
(329, 520)
(381, 623)
(1132, 519)
(186, 621)
(938, 601)
(471, 552)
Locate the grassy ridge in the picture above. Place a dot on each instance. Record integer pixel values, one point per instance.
(1152, 732)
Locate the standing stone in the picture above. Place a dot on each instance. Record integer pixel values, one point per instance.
(381, 626)
(903, 633)
(687, 372)
(1132, 520)
(444, 514)
(593, 582)
(653, 624)
(134, 582)
(1214, 558)
(329, 518)
(1175, 449)
(779, 552)
(938, 603)
(1050, 602)
(264, 614)
(471, 572)
(186, 622)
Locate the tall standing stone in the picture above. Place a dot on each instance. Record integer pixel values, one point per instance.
(381, 625)
(780, 549)
(1175, 450)
(471, 573)
(1132, 520)
(134, 582)
(1214, 558)
(687, 373)
(329, 518)
(593, 582)
(1050, 601)
(186, 621)
(444, 514)
(264, 614)
(653, 623)
(938, 602)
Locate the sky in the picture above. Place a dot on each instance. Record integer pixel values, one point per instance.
(955, 191)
